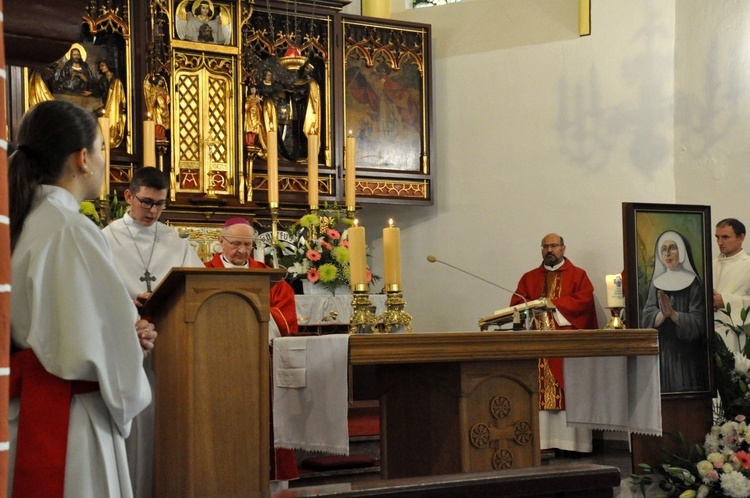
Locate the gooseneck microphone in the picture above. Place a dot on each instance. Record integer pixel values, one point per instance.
(433, 259)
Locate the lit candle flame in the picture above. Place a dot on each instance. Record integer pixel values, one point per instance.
(390, 222)
(356, 222)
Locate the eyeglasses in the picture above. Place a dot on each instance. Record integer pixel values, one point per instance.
(149, 203)
(236, 244)
(550, 246)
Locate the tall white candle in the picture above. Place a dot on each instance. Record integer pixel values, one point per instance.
(615, 297)
(357, 256)
(104, 127)
(273, 167)
(313, 147)
(392, 255)
(351, 172)
(149, 143)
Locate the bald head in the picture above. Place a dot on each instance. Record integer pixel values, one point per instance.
(553, 249)
(237, 242)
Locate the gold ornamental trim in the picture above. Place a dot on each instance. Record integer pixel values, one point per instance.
(294, 183)
(392, 188)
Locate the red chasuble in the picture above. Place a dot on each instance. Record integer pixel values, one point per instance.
(570, 290)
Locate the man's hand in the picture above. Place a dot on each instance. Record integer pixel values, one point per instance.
(146, 335)
(141, 299)
(718, 301)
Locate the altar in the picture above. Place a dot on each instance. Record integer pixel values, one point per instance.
(467, 401)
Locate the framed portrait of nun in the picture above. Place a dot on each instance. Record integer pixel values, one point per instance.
(668, 287)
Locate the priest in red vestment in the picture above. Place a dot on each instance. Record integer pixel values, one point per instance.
(571, 292)
(236, 241)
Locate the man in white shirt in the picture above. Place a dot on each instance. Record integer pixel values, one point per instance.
(144, 251)
(731, 279)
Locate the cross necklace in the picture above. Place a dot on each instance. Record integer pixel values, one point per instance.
(147, 277)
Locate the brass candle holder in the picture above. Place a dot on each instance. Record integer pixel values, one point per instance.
(394, 314)
(363, 320)
(351, 212)
(615, 321)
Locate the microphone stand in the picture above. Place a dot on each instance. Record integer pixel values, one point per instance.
(433, 259)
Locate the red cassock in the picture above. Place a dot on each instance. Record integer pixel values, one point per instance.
(284, 313)
(570, 290)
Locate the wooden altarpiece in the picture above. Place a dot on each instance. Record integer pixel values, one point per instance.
(212, 434)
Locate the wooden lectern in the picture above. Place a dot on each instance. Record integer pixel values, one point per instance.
(212, 435)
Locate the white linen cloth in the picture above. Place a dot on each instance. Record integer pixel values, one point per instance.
(311, 414)
(320, 310)
(614, 393)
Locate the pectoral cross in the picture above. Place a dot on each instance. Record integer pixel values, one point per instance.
(148, 278)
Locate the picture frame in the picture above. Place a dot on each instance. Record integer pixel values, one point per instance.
(668, 286)
(385, 93)
(204, 21)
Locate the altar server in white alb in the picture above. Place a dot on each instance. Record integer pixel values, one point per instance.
(76, 377)
(145, 250)
(731, 271)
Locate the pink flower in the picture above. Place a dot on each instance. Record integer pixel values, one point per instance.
(333, 234)
(313, 255)
(369, 276)
(326, 245)
(719, 465)
(740, 418)
(313, 275)
(345, 243)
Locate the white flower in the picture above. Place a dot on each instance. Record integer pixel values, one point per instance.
(715, 457)
(703, 491)
(736, 485)
(741, 363)
(298, 268)
(704, 467)
(712, 443)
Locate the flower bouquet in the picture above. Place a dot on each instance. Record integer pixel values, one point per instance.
(720, 467)
(316, 249)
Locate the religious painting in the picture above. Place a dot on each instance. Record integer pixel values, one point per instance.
(386, 97)
(668, 287)
(92, 75)
(203, 21)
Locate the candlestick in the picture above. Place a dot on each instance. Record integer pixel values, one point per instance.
(394, 315)
(363, 320)
(149, 143)
(104, 127)
(312, 170)
(351, 171)
(273, 167)
(357, 258)
(392, 256)
(615, 298)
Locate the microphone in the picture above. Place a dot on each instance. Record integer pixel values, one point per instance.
(433, 259)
